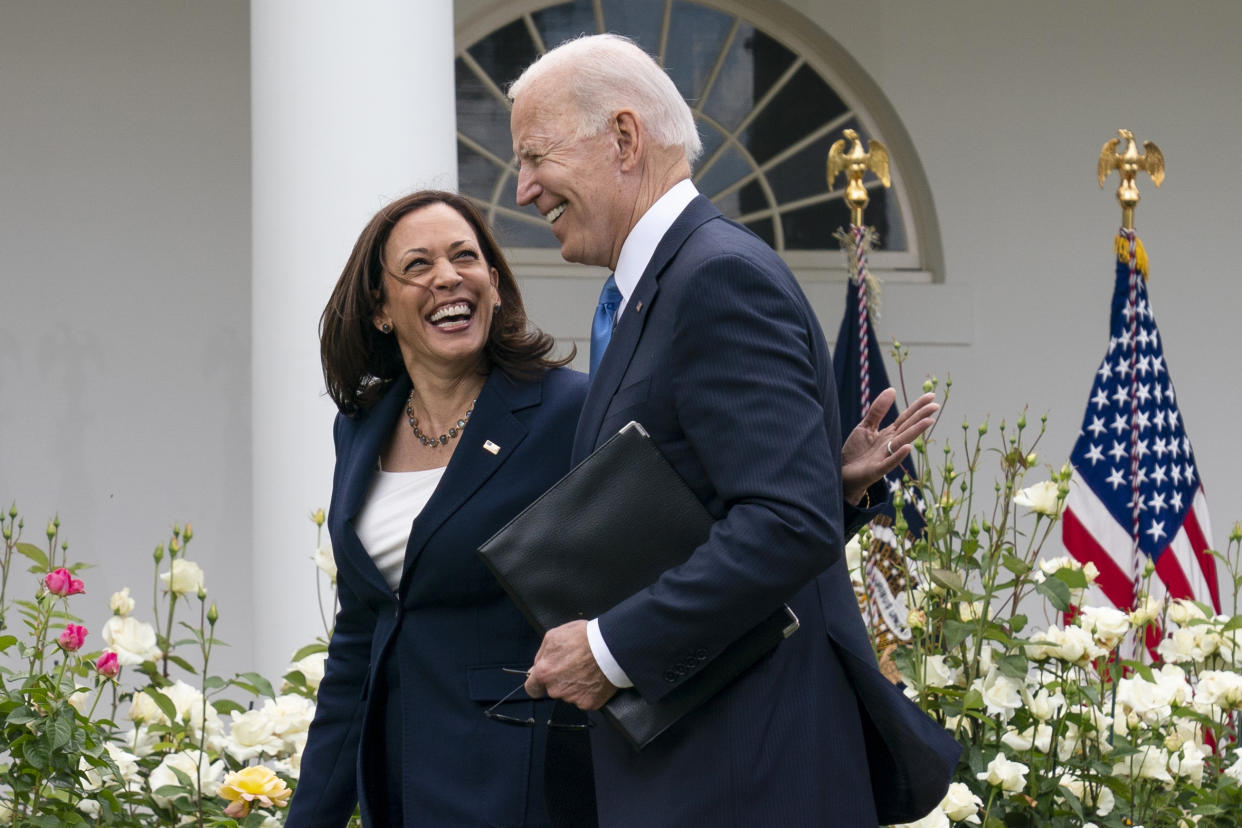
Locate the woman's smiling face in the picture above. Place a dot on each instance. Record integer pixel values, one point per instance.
(439, 292)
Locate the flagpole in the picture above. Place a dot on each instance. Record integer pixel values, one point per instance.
(855, 163)
(1129, 163)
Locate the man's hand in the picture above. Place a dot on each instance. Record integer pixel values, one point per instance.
(565, 669)
(870, 452)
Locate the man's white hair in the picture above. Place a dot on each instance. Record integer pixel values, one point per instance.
(606, 73)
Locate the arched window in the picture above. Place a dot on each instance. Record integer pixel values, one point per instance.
(769, 100)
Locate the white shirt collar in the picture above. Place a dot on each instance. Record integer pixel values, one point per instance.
(641, 243)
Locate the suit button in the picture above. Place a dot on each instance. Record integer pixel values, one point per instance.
(701, 654)
(670, 676)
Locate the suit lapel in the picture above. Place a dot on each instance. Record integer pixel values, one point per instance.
(492, 421)
(612, 367)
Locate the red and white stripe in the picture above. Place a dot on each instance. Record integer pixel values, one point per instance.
(1184, 569)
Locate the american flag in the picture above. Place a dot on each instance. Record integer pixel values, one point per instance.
(1136, 495)
(858, 366)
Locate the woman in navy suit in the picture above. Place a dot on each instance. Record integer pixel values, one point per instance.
(452, 418)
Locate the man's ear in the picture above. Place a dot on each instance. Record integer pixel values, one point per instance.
(629, 135)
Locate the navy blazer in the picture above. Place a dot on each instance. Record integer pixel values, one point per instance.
(447, 631)
(721, 358)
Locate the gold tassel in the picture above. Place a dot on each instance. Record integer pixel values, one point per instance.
(869, 239)
(1122, 247)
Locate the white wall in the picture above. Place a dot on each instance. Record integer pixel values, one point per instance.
(125, 246)
(125, 291)
(1009, 104)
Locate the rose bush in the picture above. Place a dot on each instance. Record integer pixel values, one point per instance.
(140, 733)
(1066, 717)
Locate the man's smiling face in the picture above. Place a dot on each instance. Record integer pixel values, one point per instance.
(573, 181)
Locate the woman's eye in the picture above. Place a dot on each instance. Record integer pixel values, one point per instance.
(466, 254)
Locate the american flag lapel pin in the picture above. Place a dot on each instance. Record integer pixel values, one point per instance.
(491, 447)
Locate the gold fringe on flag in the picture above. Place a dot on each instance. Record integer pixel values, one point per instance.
(1121, 246)
(848, 246)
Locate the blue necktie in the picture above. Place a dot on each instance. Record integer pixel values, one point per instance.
(605, 316)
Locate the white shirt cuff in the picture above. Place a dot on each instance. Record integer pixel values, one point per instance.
(603, 656)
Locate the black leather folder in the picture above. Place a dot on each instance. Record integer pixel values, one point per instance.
(606, 530)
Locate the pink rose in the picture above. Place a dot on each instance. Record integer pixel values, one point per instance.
(107, 665)
(71, 639)
(61, 582)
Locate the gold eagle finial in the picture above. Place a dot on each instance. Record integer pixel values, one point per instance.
(855, 164)
(1129, 163)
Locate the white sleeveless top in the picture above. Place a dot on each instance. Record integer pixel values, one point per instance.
(387, 514)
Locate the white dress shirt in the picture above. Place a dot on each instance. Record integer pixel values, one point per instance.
(636, 252)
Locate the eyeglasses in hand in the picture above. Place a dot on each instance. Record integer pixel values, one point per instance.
(496, 716)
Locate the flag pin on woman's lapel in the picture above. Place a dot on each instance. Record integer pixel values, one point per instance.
(489, 446)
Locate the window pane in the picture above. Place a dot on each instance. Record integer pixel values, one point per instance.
(480, 115)
(639, 22)
(763, 229)
(695, 37)
(504, 53)
(476, 175)
(728, 169)
(560, 23)
(754, 63)
(803, 105)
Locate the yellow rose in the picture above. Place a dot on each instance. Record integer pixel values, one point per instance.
(253, 784)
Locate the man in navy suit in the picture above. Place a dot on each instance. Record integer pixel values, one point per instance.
(717, 352)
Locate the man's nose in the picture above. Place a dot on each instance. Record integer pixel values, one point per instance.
(527, 189)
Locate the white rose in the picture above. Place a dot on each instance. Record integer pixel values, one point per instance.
(1042, 498)
(1001, 694)
(1149, 763)
(1108, 624)
(142, 708)
(80, 699)
(1183, 611)
(325, 560)
(1103, 802)
(1051, 566)
(132, 640)
(1008, 776)
(186, 577)
(853, 560)
(935, 819)
(290, 716)
(311, 668)
(252, 734)
(120, 603)
(1043, 705)
(1188, 762)
(937, 673)
(1234, 771)
(1148, 610)
(1219, 688)
(960, 804)
(192, 764)
(126, 763)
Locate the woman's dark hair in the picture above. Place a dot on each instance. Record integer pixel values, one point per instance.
(359, 362)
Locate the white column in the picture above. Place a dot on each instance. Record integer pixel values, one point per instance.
(352, 105)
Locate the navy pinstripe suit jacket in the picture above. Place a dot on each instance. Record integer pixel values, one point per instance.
(720, 357)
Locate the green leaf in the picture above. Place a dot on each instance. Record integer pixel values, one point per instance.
(164, 703)
(21, 716)
(258, 684)
(1232, 624)
(61, 731)
(183, 664)
(320, 647)
(1072, 578)
(35, 554)
(1057, 593)
(37, 753)
(7, 641)
(948, 579)
(226, 706)
(955, 632)
(1012, 665)
(1015, 564)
